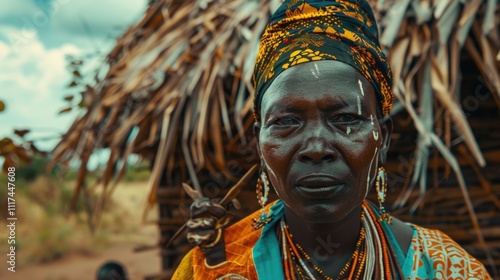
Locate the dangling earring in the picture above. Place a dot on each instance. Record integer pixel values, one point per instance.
(262, 190)
(381, 188)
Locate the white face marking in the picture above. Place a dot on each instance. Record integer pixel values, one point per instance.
(369, 170)
(270, 172)
(361, 88)
(348, 130)
(315, 71)
(359, 105)
(314, 74)
(375, 135)
(372, 119)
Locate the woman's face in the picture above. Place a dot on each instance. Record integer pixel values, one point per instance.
(320, 139)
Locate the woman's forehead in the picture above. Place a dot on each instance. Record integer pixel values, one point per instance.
(330, 81)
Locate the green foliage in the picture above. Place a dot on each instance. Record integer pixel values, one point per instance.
(54, 238)
(137, 173)
(30, 171)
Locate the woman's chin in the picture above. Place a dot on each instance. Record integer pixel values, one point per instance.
(322, 212)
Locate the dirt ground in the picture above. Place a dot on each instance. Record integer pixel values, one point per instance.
(122, 237)
(76, 267)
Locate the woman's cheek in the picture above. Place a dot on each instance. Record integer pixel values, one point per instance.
(360, 138)
(270, 152)
(273, 168)
(362, 146)
(274, 147)
(277, 156)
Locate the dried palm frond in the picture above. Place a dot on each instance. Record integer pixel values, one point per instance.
(182, 71)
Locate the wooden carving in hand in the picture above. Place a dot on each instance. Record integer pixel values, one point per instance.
(208, 218)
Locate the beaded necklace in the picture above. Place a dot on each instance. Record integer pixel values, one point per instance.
(373, 257)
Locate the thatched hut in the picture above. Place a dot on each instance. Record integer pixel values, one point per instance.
(177, 92)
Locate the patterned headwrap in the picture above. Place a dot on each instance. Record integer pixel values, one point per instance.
(308, 30)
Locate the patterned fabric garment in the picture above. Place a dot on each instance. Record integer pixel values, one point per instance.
(255, 254)
(301, 31)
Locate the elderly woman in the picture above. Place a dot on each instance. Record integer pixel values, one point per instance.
(323, 93)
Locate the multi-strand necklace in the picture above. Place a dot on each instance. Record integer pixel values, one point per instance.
(373, 257)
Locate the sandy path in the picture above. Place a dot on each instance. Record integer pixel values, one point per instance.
(78, 267)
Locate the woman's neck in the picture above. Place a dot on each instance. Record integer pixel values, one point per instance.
(326, 241)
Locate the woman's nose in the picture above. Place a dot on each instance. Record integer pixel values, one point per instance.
(316, 150)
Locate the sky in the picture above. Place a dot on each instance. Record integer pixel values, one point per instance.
(35, 38)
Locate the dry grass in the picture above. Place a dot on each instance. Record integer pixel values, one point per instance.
(47, 231)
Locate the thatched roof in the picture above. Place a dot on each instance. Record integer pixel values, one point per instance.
(178, 92)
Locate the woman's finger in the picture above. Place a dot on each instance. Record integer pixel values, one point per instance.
(207, 209)
(201, 237)
(203, 223)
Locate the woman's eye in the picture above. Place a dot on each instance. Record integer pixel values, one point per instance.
(285, 121)
(345, 118)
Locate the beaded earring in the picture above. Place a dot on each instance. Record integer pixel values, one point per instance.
(262, 190)
(381, 188)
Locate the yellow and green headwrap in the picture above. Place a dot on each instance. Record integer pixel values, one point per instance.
(301, 31)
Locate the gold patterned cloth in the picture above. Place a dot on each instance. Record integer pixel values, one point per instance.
(301, 31)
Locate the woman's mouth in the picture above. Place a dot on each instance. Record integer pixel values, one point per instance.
(319, 186)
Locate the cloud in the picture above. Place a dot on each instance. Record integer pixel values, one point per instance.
(88, 23)
(102, 17)
(32, 83)
(27, 18)
(35, 37)
(16, 9)
(92, 24)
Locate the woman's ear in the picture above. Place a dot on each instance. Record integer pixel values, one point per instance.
(256, 133)
(386, 128)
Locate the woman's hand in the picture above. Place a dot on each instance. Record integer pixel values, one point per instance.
(208, 218)
(205, 229)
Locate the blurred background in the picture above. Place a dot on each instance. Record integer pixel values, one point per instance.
(39, 40)
(107, 106)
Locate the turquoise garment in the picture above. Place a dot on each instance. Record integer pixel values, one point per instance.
(266, 252)
(431, 255)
